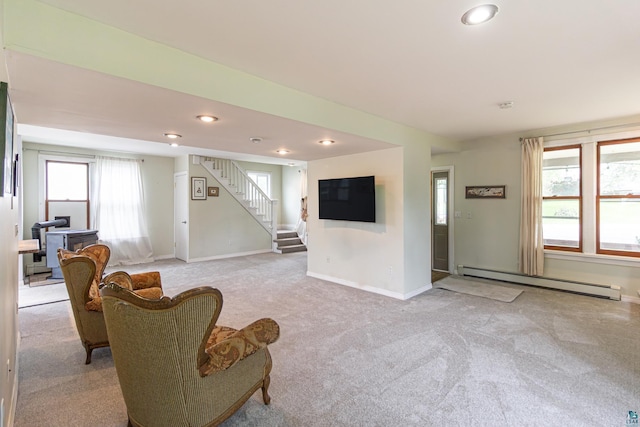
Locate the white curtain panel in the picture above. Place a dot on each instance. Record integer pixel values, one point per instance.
(118, 210)
(531, 243)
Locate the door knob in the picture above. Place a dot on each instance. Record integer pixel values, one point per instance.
(184, 222)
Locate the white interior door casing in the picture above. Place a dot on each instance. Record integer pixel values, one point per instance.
(181, 216)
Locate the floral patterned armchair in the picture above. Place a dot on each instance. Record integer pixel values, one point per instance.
(176, 367)
(83, 273)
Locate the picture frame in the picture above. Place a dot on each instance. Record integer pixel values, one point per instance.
(16, 175)
(485, 192)
(6, 142)
(213, 191)
(198, 188)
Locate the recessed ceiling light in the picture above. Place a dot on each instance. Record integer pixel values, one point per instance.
(505, 105)
(171, 135)
(255, 140)
(282, 151)
(207, 119)
(479, 14)
(326, 142)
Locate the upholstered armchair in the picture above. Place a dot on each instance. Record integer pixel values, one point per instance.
(82, 271)
(176, 367)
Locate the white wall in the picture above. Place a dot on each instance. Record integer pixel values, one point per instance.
(486, 234)
(363, 255)
(220, 226)
(416, 209)
(9, 236)
(489, 239)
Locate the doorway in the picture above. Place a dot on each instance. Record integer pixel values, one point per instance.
(441, 225)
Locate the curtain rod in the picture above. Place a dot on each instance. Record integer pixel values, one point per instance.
(66, 153)
(589, 130)
(59, 153)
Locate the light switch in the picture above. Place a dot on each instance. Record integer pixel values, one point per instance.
(457, 214)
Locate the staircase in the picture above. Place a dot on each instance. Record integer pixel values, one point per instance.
(233, 178)
(288, 241)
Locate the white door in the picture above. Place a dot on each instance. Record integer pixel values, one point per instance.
(181, 215)
(440, 220)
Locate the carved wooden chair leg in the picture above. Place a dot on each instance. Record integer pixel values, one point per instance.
(265, 390)
(88, 360)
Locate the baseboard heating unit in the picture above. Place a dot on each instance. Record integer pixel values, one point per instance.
(604, 291)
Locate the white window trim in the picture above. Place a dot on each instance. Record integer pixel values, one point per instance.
(42, 174)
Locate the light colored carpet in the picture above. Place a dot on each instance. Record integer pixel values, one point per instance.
(479, 289)
(347, 357)
(29, 296)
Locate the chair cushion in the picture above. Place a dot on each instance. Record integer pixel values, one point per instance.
(150, 293)
(225, 346)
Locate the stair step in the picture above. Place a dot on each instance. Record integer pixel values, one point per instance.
(286, 234)
(293, 248)
(289, 241)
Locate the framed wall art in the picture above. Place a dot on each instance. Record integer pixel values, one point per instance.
(485, 192)
(6, 141)
(198, 188)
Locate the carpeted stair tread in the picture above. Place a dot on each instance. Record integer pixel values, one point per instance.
(293, 248)
(289, 241)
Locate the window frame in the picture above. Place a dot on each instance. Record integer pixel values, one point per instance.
(579, 248)
(46, 198)
(599, 197)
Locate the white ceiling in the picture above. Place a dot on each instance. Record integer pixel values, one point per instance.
(409, 61)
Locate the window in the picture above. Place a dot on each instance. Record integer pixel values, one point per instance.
(591, 195)
(67, 181)
(67, 192)
(618, 198)
(440, 214)
(262, 180)
(562, 198)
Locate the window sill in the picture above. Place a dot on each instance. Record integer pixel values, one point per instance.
(593, 258)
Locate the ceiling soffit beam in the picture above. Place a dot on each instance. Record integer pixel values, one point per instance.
(41, 30)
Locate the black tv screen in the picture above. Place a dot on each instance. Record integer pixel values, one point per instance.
(348, 199)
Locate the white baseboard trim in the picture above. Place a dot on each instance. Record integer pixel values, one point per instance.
(159, 257)
(627, 298)
(418, 291)
(233, 255)
(372, 289)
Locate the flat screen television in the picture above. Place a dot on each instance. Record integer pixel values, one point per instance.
(348, 199)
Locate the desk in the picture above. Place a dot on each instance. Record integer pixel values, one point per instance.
(29, 246)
